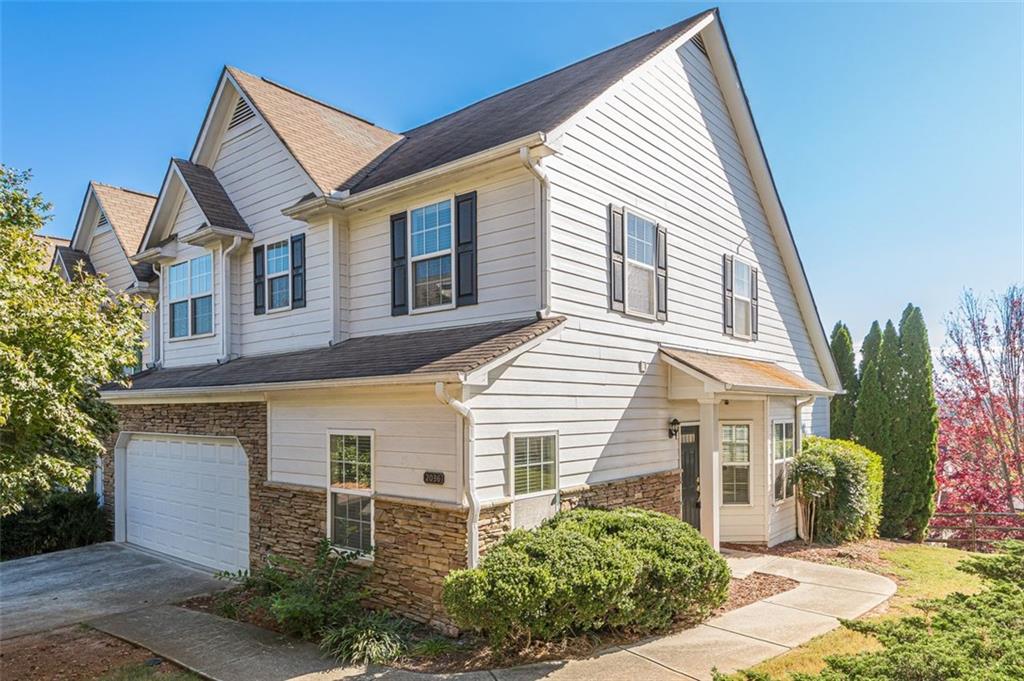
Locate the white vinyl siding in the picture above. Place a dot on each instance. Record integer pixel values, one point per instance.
(507, 264)
(413, 434)
(261, 179)
(108, 257)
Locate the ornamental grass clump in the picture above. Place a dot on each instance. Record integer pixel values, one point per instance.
(589, 570)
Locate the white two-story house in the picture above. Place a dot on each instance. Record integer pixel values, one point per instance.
(582, 290)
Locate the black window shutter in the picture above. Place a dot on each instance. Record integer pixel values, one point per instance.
(465, 249)
(753, 303)
(399, 266)
(727, 326)
(661, 278)
(298, 270)
(259, 283)
(616, 259)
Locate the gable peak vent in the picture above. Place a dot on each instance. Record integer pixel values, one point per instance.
(699, 43)
(103, 222)
(243, 112)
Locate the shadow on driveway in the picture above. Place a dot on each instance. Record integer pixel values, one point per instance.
(57, 589)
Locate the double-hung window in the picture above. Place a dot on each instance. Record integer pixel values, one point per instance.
(350, 494)
(641, 245)
(278, 275)
(430, 239)
(742, 298)
(735, 464)
(190, 295)
(782, 459)
(534, 463)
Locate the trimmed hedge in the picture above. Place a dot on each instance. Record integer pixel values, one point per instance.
(845, 480)
(63, 520)
(589, 570)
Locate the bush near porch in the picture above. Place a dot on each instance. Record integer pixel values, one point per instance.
(839, 484)
(589, 570)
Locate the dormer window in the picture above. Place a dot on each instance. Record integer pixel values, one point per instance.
(190, 296)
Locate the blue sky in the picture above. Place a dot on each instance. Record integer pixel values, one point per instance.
(894, 131)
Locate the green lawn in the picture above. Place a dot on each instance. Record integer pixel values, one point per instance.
(921, 571)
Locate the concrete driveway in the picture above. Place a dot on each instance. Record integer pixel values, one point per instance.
(57, 589)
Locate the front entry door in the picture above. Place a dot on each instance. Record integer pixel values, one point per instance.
(689, 462)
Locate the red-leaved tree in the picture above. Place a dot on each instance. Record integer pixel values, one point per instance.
(981, 406)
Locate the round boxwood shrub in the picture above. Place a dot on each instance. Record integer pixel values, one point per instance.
(587, 570)
(844, 482)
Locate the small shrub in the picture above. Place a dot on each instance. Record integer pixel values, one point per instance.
(586, 570)
(840, 487)
(375, 638)
(62, 520)
(435, 646)
(1006, 565)
(302, 599)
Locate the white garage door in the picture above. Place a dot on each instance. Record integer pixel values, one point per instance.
(189, 498)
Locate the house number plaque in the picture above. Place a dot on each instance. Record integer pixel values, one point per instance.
(433, 477)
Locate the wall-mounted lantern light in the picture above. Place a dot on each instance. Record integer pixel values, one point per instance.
(673, 428)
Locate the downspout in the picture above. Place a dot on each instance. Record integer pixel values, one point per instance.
(225, 306)
(158, 327)
(468, 471)
(801, 531)
(533, 165)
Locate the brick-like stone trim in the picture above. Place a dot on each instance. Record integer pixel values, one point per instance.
(656, 492)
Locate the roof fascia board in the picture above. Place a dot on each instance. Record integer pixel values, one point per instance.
(208, 119)
(82, 232)
(724, 66)
(311, 206)
(63, 267)
(480, 375)
(158, 394)
(613, 90)
(155, 216)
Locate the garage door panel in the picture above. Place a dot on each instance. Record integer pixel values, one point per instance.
(189, 498)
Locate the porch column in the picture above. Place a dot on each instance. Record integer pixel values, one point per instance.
(710, 471)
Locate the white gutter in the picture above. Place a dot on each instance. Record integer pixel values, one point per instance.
(468, 471)
(320, 202)
(225, 299)
(533, 165)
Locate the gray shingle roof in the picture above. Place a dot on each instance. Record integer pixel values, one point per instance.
(537, 106)
(447, 350)
(210, 196)
(72, 258)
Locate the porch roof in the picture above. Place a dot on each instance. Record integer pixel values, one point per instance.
(739, 374)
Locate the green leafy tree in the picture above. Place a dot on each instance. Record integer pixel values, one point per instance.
(844, 407)
(869, 348)
(915, 435)
(59, 342)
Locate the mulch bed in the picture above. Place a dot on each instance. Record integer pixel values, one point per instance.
(862, 555)
(472, 652)
(75, 653)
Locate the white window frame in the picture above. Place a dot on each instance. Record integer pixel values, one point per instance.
(748, 465)
(511, 466)
(370, 493)
(627, 260)
(189, 298)
(748, 301)
(786, 462)
(287, 241)
(450, 198)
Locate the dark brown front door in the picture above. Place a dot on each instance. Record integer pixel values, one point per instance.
(689, 462)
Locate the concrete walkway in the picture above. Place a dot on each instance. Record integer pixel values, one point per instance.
(228, 651)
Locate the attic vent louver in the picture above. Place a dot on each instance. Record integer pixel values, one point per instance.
(103, 221)
(699, 42)
(243, 112)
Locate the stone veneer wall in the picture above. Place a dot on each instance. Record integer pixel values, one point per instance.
(657, 492)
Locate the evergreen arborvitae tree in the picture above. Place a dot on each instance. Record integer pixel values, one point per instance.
(844, 407)
(869, 348)
(915, 442)
(895, 508)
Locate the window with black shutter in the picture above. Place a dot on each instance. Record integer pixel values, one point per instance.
(399, 265)
(465, 249)
(259, 284)
(739, 297)
(298, 270)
